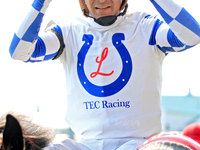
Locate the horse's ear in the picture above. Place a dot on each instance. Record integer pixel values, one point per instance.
(12, 135)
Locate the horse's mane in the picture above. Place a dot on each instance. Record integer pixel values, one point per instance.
(36, 136)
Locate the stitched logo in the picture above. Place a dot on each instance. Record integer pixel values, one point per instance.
(103, 57)
(120, 82)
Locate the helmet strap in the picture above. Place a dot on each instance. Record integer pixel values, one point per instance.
(107, 20)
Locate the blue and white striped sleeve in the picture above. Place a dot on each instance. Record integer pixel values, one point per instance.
(27, 45)
(180, 32)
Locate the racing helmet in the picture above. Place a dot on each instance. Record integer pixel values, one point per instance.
(86, 11)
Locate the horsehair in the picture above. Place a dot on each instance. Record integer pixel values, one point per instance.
(36, 136)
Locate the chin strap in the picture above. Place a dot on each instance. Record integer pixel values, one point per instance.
(107, 20)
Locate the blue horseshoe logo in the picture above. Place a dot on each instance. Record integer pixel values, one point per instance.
(120, 82)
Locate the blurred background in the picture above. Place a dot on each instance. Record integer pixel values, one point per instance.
(38, 89)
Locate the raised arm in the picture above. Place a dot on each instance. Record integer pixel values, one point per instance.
(182, 30)
(26, 44)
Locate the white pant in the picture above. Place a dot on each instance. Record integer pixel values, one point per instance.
(105, 144)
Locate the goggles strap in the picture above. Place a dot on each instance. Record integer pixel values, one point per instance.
(107, 20)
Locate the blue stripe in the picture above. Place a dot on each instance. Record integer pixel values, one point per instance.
(163, 50)
(167, 49)
(50, 56)
(187, 47)
(170, 49)
(14, 44)
(173, 40)
(40, 49)
(188, 21)
(147, 16)
(152, 40)
(32, 32)
(33, 61)
(165, 15)
(38, 4)
(47, 57)
(58, 29)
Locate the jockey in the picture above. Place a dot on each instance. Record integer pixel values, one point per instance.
(113, 66)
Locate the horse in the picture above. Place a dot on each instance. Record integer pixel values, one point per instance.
(18, 132)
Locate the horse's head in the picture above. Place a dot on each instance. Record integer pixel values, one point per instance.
(12, 135)
(17, 132)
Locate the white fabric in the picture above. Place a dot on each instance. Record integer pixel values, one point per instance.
(108, 144)
(104, 117)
